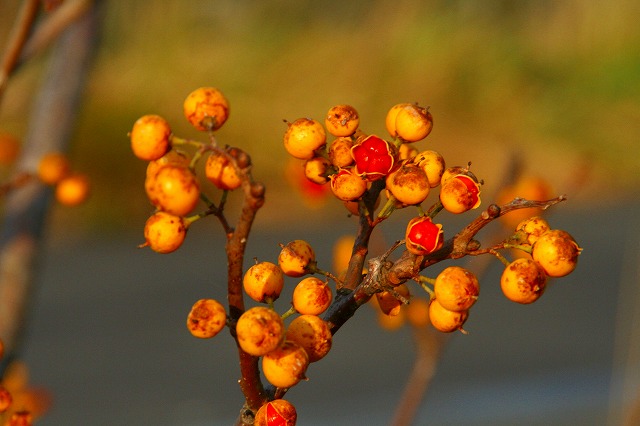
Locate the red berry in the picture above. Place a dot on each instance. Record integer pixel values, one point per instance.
(423, 236)
(374, 157)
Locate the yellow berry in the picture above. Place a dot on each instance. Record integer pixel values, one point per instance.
(303, 137)
(206, 318)
(445, 320)
(260, 330)
(408, 184)
(389, 303)
(296, 258)
(206, 108)
(523, 281)
(317, 170)
(73, 189)
(533, 228)
(312, 333)
(176, 190)
(456, 288)
(340, 152)
(413, 123)
(557, 252)
(221, 172)
(347, 186)
(433, 165)
(164, 232)
(342, 120)
(263, 282)
(150, 137)
(286, 365)
(312, 296)
(390, 119)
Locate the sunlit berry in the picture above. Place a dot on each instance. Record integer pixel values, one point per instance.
(532, 228)
(389, 303)
(312, 296)
(318, 169)
(523, 281)
(413, 123)
(260, 330)
(454, 171)
(164, 232)
(417, 312)
(303, 137)
(176, 190)
(445, 320)
(278, 412)
(433, 165)
(206, 108)
(9, 148)
(263, 282)
(456, 288)
(342, 120)
(206, 318)
(346, 185)
(286, 365)
(312, 333)
(150, 137)
(423, 236)
(460, 194)
(390, 119)
(340, 152)
(52, 167)
(374, 157)
(296, 258)
(557, 252)
(73, 189)
(408, 184)
(221, 172)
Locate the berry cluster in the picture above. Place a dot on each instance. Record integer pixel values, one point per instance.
(360, 170)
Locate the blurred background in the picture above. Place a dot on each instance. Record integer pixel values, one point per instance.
(553, 83)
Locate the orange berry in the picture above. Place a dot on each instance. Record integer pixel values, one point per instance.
(340, 152)
(176, 190)
(303, 137)
(557, 252)
(456, 288)
(206, 108)
(532, 228)
(206, 318)
(53, 167)
(296, 258)
(317, 170)
(417, 312)
(312, 296)
(73, 189)
(390, 119)
(278, 412)
(173, 157)
(221, 172)
(9, 149)
(523, 281)
(164, 232)
(5, 399)
(20, 418)
(150, 137)
(408, 184)
(342, 120)
(445, 320)
(413, 123)
(433, 165)
(388, 303)
(312, 333)
(286, 365)
(347, 186)
(263, 281)
(459, 194)
(260, 330)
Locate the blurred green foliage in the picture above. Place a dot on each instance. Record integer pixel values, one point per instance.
(556, 80)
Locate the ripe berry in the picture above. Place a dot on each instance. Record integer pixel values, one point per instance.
(260, 330)
(445, 320)
(221, 172)
(286, 365)
(73, 189)
(523, 281)
(317, 170)
(303, 137)
(312, 333)
(9, 149)
(423, 236)
(532, 228)
(296, 258)
(278, 412)
(342, 120)
(263, 282)
(390, 120)
(456, 288)
(408, 184)
(206, 108)
(374, 157)
(433, 165)
(413, 123)
(340, 152)
(206, 318)
(389, 303)
(347, 185)
(460, 194)
(150, 137)
(53, 167)
(164, 232)
(5, 399)
(557, 252)
(176, 190)
(312, 296)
